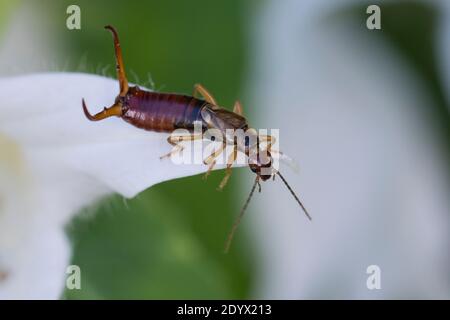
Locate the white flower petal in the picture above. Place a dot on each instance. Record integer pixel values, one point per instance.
(43, 114)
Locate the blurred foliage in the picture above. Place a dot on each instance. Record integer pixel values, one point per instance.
(167, 242)
(6, 8)
(411, 28)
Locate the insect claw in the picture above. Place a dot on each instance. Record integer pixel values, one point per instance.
(86, 111)
(114, 110)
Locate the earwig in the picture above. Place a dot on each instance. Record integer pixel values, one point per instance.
(166, 112)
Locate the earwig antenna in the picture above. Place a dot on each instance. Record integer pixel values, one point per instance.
(295, 196)
(241, 214)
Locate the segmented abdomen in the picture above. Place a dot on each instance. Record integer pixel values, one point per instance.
(162, 112)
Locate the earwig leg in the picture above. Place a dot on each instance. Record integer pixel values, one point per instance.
(123, 82)
(174, 140)
(238, 108)
(211, 160)
(228, 171)
(208, 172)
(215, 154)
(175, 150)
(198, 88)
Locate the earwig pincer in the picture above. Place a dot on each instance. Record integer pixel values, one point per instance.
(165, 112)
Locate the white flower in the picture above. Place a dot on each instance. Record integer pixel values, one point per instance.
(53, 162)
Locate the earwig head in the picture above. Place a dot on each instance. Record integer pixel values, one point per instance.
(259, 160)
(261, 165)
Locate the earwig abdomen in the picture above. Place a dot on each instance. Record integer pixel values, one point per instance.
(161, 112)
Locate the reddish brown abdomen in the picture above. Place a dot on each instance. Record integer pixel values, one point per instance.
(161, 112)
